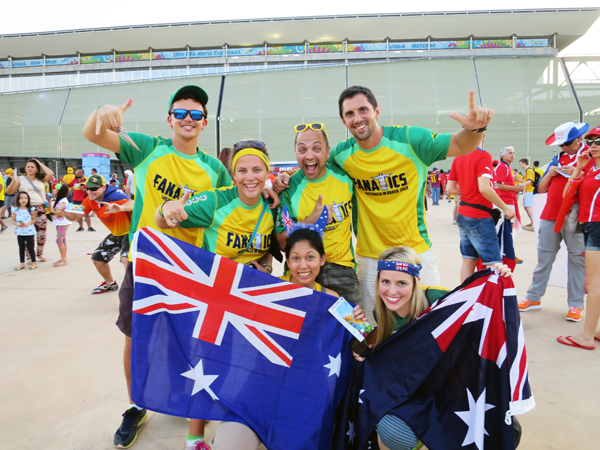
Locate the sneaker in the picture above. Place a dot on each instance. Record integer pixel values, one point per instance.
(89, 229)
(518, 261)
(80, 229)
(528, 305)
(105, 287)
(127, 432)
(574, 314)
(199, 446)
(4, 228)
(454, 223)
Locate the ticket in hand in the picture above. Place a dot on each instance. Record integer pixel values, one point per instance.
(343, 312)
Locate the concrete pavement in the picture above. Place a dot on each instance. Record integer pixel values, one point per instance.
(61, 371)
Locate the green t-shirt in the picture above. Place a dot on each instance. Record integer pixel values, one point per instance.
(163, 173)
(337, 190)
(228, 224)
(389, 182)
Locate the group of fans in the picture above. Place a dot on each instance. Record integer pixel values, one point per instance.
(373, 184)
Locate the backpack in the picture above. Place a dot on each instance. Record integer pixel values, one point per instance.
(537, 177)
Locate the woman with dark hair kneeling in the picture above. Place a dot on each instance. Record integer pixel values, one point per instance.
(305, 256)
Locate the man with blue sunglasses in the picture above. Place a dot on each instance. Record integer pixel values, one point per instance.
(166, 170)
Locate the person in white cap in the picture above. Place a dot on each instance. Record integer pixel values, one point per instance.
(568, 137)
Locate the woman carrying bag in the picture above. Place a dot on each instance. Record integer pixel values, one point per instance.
(36, 174)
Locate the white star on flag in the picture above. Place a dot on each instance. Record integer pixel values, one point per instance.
(201, 381)
(334, 365)
(350, 432)
(359, 394)
(475, 419)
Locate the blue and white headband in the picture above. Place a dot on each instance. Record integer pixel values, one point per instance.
(318, 227)
(399, 267)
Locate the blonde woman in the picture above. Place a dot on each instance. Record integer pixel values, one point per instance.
(400, 299)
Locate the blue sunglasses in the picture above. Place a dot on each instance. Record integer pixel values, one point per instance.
(182, 114)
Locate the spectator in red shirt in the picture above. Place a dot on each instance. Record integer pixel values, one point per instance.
(78, 185)
(568, 137)
(471, 178)
(589, 217)
(504, 180)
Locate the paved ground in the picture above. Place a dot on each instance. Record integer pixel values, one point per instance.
(61, 380)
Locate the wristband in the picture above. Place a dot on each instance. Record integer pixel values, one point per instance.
(99, 107)
(479, 130)
(269, 268)
(160, 209)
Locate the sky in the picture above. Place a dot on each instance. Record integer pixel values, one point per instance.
(43, 15)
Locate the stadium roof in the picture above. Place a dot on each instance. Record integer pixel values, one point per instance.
(568, 24)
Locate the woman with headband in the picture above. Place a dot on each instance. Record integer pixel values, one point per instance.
(400, 299)
(238, 224)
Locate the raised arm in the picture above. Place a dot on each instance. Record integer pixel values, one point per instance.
(102, 126)
(466, 140)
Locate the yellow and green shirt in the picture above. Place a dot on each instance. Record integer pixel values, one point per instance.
(389, 184)
(228, 224)
(337, 190)
(163, 173)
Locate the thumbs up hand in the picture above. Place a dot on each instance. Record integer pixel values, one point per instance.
(173, 211)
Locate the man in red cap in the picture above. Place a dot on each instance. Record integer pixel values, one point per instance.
(568, 137)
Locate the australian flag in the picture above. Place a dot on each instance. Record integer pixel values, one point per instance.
(217, 340)
(456, 376)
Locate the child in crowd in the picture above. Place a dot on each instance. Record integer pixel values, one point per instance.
(61, 222)
(23, 219)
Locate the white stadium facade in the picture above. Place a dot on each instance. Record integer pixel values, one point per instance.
(263, 76)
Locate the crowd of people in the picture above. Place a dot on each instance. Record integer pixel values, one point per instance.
(374, 185)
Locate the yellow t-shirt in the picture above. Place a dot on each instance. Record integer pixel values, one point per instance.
(389, 182)
(530, 175)
(163, 173)
(228, 224)
(337, 190)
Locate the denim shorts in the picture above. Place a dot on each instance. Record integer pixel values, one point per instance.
(591, 235)
(478, 239)
(527, 199)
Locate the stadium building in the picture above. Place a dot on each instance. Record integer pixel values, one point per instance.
(264, 76)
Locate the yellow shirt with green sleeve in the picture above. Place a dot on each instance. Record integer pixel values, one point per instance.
(337, 190)
(389, 183)
(229, 223)
(163, 173)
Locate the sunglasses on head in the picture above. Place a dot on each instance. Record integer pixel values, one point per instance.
(259, 145)
(180, 114)
(313, 126)
(596, 141)
(92, 189)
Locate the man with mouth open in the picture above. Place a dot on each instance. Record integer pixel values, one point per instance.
(317, 184)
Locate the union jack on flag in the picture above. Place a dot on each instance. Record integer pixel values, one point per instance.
(216, 340)
(253, 311)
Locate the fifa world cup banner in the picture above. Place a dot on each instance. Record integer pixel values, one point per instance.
(217, 340)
